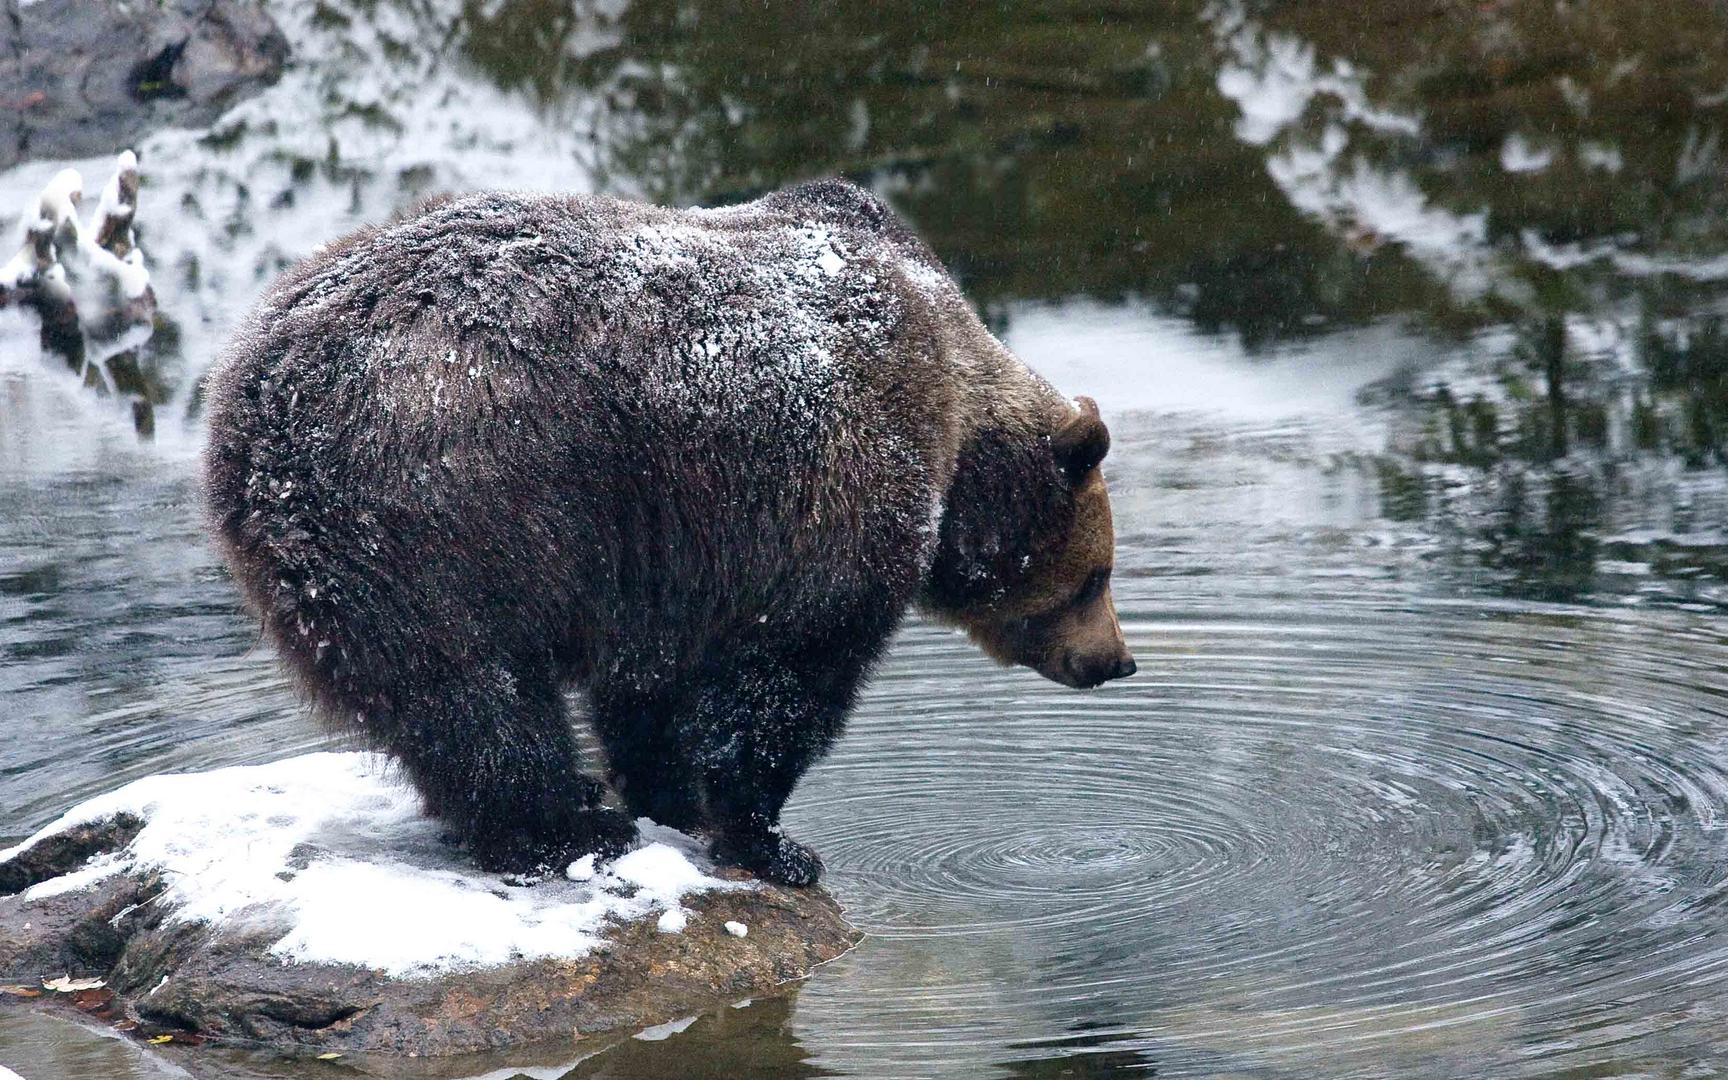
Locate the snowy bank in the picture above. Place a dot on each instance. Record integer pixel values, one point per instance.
(310, 902)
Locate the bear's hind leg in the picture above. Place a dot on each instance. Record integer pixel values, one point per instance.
(495, 757)
(646, 761)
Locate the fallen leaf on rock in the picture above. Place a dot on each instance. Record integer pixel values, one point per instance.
(20, 991)
(66, 984)
(328, 1057)
(158, 1040)
(91, 1000)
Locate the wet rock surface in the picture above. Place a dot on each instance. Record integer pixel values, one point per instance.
(183, 983)
(80, 77)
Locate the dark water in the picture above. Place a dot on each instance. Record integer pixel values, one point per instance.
(1408, 318)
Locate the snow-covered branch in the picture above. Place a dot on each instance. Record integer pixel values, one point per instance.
(88, 284)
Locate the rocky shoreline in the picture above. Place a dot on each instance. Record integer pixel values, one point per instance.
(81, 77)
(86, 927)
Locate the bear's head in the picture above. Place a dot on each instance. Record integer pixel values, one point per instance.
(1030, 582)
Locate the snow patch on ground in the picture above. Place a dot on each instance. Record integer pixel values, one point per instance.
(1520, 154)
(1307, 117)
(1274, 78)
(333, 856)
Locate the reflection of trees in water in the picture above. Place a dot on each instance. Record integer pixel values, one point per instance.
(1266, 168)
(1055, 149)
(1532, 160)
(1546, 459)
(1685, 410)
(1083, 148)
(1514, 150)
(1046, 150)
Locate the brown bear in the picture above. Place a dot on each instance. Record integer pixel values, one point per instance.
(696, 463)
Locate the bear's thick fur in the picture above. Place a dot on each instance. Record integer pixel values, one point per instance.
(696, 463)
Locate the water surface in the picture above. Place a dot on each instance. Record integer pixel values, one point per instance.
(1408, 323)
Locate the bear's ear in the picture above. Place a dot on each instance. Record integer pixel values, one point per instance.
(1081, 440)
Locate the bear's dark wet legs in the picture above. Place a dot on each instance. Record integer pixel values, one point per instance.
(495, 758)
(759, 728)
(646, 760)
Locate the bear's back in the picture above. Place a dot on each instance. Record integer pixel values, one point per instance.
(690, 408)
(762, 317)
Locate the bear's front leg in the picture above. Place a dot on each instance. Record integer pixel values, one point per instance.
(758, 728)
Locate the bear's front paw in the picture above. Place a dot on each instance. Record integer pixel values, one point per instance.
(771, 857)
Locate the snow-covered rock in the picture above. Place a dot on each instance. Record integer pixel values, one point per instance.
(87, 286)
(310, 902)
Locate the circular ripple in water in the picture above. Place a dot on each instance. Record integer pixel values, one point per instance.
(1390, 845)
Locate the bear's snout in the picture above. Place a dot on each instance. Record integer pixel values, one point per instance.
(1083, 672)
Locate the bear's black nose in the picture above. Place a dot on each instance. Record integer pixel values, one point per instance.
(1124, 668)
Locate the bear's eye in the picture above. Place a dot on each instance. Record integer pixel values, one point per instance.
(1093, 587)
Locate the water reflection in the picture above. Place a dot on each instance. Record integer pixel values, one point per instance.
(1583, 268)
(1253, 169)
(755, 1039)
(1412, 332)
(1528, 194)
(122, 649)
(1577, 456)
(36, 1044)
(1092, 1049)
(1046, 151)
